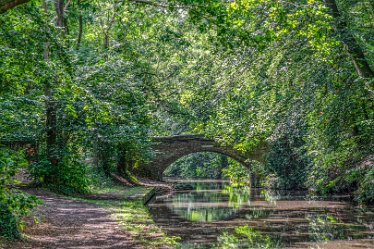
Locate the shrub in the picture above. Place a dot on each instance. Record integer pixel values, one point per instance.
(14, 204)
(365, 193)
(70, 176)
(285, 162)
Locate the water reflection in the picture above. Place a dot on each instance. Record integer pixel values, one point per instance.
(217, 215)
(204, 202)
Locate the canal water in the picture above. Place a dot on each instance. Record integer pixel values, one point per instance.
(214, 214)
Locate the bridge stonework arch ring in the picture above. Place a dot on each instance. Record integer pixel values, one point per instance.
(170, 149)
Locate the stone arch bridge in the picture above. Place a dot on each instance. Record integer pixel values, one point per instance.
(170, 149)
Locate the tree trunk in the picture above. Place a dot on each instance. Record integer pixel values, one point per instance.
(103, 156)
(80, 25)
(50, 121)
(59, 5)
(252, 180)
(357, 55)
(224, 164)
(51, 105)
(106, 45)
(123, 163)
(51, 125)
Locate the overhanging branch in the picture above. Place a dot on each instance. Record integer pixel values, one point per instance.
(8, 4)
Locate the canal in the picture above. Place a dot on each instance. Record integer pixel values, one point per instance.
(214, 214)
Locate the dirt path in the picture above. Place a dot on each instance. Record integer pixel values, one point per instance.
(68, 223)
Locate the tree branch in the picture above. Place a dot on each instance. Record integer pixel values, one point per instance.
(9, 4)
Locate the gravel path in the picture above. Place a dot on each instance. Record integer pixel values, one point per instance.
(68, 223)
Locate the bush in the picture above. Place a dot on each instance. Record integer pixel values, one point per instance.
(365, 193)
(72, 176)
(14, 204)
(69, 177)
(285, 162)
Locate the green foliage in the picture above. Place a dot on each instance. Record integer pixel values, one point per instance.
(287, 70)
(237, 173)
(365, 193)
(240, 72)
(14, 204)
(69, 177)
(285, 161)
(208, 165)
(41, 169)
(198, 165)
(97, 104)
(72, 175)
(106, 156)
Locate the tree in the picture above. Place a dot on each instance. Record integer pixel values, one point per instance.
(357, 55)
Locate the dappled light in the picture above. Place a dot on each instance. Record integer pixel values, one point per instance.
(74, 224)
(187, 124)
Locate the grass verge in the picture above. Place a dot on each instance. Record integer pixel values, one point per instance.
(134, 217)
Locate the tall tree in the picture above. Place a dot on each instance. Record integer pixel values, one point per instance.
(53, 149)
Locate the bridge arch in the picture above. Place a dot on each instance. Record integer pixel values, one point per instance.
(170, 149)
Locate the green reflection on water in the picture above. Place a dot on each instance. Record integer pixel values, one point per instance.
(325, 227)
(210, 201)
(246, 237)
(238, 196)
